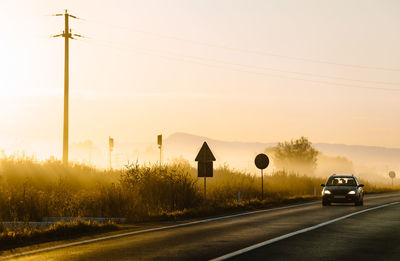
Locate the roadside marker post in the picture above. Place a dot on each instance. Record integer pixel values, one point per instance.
(262, 162)
(205, 160)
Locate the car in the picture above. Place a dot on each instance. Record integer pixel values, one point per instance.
(342, 189)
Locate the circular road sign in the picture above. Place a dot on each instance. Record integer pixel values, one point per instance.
(261, 161)
(392, 174)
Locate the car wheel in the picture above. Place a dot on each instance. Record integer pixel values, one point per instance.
(359, 202)
(325, 203)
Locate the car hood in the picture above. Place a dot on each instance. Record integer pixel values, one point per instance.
(340, 189)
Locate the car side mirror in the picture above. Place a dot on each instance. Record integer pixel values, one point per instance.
(361, 185)
(322, 185)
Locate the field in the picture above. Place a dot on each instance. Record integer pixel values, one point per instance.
(33, 191)
(30, 190)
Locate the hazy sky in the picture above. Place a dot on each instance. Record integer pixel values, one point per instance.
(228, 69)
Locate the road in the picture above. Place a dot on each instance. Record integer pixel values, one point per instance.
(340, 232)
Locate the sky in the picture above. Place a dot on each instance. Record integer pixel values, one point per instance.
(232, 70)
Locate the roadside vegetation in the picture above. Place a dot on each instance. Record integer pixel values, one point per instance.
(32, 190)
(25, 235)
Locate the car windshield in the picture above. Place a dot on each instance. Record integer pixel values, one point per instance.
(341, 181)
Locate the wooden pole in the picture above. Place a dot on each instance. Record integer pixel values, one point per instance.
(66, 91)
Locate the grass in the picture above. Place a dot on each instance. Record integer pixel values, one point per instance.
(10, 238)
(30, 190)
(211, 209)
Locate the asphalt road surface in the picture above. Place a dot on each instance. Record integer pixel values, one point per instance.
(303, 232)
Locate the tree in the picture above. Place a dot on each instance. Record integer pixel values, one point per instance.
(297, 156)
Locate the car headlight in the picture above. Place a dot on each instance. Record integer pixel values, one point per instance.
(327, 192)
(352, 192)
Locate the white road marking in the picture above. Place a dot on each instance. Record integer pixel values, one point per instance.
(304, 230)
(149, 230)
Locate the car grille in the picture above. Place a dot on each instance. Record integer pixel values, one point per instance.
(340, 192)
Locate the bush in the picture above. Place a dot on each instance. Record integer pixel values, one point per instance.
(155, 189)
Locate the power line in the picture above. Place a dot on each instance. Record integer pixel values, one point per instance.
(186, 60)
(279, 70)
(213, 45)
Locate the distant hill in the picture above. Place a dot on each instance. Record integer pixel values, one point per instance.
(241, 154)
(235, 154)
(189, 144)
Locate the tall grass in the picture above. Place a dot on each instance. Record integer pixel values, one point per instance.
(31, 190)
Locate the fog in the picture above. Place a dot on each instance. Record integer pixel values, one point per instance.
(369, 163)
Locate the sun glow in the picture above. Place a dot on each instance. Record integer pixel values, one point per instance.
(148, 68)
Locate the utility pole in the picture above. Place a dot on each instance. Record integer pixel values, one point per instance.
(67, 35)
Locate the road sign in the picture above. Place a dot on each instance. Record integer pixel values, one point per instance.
(392, 175)
(110, 143)
(205, 154)
(159, 140)
(205, 169)
(205, 160)
(110, 148)
(261, 161)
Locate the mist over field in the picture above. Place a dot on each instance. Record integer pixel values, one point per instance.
(372, 163)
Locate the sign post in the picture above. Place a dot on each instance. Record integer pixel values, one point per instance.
(159, 142)
(392, 175)
(205, 160)
(262, 162)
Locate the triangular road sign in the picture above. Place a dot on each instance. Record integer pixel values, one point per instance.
(205, 154)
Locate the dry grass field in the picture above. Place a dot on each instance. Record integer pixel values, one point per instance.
(30, 190)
